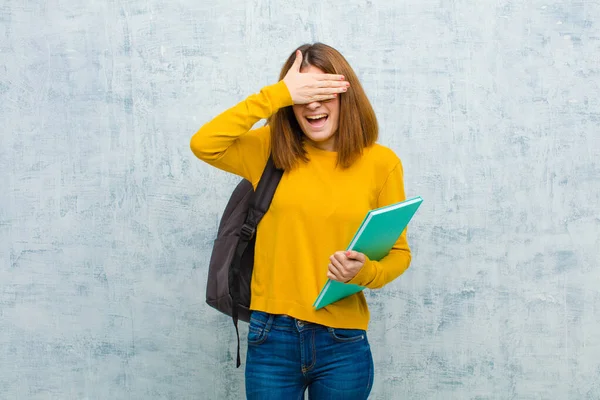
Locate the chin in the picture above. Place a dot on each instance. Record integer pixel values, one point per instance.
(319, 137)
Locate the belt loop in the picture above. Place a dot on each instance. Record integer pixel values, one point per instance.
(269, 322)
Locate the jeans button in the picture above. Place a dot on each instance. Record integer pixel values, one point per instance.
(300, 324)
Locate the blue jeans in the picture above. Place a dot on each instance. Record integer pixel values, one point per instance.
(286, 356)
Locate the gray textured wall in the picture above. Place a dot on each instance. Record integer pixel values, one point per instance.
(106, 218)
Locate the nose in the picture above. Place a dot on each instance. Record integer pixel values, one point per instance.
(313, 106)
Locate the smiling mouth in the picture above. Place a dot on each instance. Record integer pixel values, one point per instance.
(317, 120)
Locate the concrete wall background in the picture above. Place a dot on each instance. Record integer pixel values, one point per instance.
(106, 218)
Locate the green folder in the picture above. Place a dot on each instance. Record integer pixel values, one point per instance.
(375, 237)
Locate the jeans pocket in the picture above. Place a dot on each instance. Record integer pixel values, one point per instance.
(257, 332)
(347, 335)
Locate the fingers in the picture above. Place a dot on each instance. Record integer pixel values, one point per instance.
(333, 273)
(336, 269)
(355, 255)
(322, 98)
(332, 84)
(313, 99)
(339, 267)
(319, 98)
(311, 87)
(329, 77)
(325, 93)
(337, 264)
(329, 92)
(344, 265)
(339, 257)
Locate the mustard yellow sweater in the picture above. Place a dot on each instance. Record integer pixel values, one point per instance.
(314, 213)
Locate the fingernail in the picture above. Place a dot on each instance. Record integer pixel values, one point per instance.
(348, 253)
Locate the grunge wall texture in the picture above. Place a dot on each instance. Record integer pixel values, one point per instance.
(107, 219)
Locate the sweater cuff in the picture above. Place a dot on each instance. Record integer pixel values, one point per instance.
(279, 95)
(365, 275)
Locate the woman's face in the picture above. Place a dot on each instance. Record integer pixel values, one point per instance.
(319, 120)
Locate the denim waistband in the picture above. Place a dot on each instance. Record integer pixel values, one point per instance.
(283, 321)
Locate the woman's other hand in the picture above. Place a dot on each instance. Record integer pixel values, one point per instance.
(344, 265)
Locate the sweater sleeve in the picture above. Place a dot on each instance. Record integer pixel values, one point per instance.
(228, 141)
(376, 274)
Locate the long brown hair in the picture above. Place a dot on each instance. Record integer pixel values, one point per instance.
(357, 127)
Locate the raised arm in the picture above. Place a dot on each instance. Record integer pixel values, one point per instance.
(228, 141)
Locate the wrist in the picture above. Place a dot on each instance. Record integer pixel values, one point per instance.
(279, 95)
(364, 274)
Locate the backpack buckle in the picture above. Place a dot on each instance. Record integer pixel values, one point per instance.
(247, 231)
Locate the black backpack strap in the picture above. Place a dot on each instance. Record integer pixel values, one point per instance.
(258, 206)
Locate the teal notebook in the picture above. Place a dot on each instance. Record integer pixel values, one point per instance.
(375, 237)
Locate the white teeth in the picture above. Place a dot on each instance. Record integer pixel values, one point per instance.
(316, 116)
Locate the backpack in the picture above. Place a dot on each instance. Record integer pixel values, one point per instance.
(232, 259)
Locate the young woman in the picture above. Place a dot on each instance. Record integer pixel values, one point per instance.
(321, 130)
